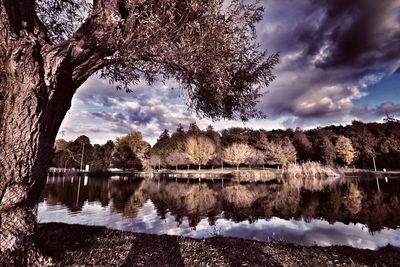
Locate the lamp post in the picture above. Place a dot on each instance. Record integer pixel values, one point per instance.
(83, 151)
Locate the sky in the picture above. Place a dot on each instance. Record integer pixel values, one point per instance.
(339, 62)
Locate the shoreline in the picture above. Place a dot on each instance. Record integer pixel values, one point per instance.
(72, 245)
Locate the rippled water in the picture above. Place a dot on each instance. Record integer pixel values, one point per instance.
(343, 211)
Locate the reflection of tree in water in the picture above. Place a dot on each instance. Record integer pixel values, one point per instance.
(347, 201)
(352, 199)
(314, 183)
(185, 200)
(239, 200)
(381, 208)
(276, 201)
(286, 202)
(64, 191)
(127, 197)
(239, 195)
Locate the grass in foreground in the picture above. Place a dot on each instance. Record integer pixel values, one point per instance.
(76, 245)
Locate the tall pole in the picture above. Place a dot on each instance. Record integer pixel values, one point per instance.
(83, 151)
(373, 159)
(377, 181)
(79, 188)
(377, 184)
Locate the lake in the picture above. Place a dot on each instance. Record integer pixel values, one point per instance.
(334, 211)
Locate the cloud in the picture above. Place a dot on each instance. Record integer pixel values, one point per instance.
(331, 51)
(358, 33)
(100, 109)
(147, 220)
(369, 114)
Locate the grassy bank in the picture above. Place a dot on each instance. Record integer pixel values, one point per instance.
(76, 245)
(307, 170)
(313, 170)
(242, 175)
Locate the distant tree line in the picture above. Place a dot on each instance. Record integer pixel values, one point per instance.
(352, 145)
(127, 152)
(355, 145)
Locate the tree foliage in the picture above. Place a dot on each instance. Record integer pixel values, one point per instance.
(155, 161)
(303, 145)
(124, 158)
(277, 147)
(237, 154)
(200, 149)
(324, 148)
(256, 157)
(171, 39)
(62, 18)
(138, 146)
(345, 150)
(69, 154)
(281, 152)
(178, 139)
(177, 158)
(163, 147)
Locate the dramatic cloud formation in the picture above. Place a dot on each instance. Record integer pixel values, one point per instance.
(332, 54)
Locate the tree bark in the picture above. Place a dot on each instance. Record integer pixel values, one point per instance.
(31, 116)
(32, 107)
(29, 125)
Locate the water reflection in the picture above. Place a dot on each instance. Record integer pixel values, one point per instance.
(305, 211)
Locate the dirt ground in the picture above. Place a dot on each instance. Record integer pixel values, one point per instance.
(77, 245)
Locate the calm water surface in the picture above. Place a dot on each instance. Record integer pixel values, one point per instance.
(342, 211)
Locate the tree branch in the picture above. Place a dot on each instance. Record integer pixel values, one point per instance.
(87, 51)
(210, 49)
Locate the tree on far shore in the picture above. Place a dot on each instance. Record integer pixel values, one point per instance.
(163, 146)
(237, 154)
(177, 158)
(325, 148)
(344, 150)
(138, 146)
(124, 158)
(281, 152)
(200, 149)
(154, 161)
(256, 157)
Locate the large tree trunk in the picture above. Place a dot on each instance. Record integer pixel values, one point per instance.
(37, 82)
(24, 155)
(31, 112)
(30, 119)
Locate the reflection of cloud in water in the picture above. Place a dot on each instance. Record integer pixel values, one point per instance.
(315, 232)
(91, 214)
(296, 231)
